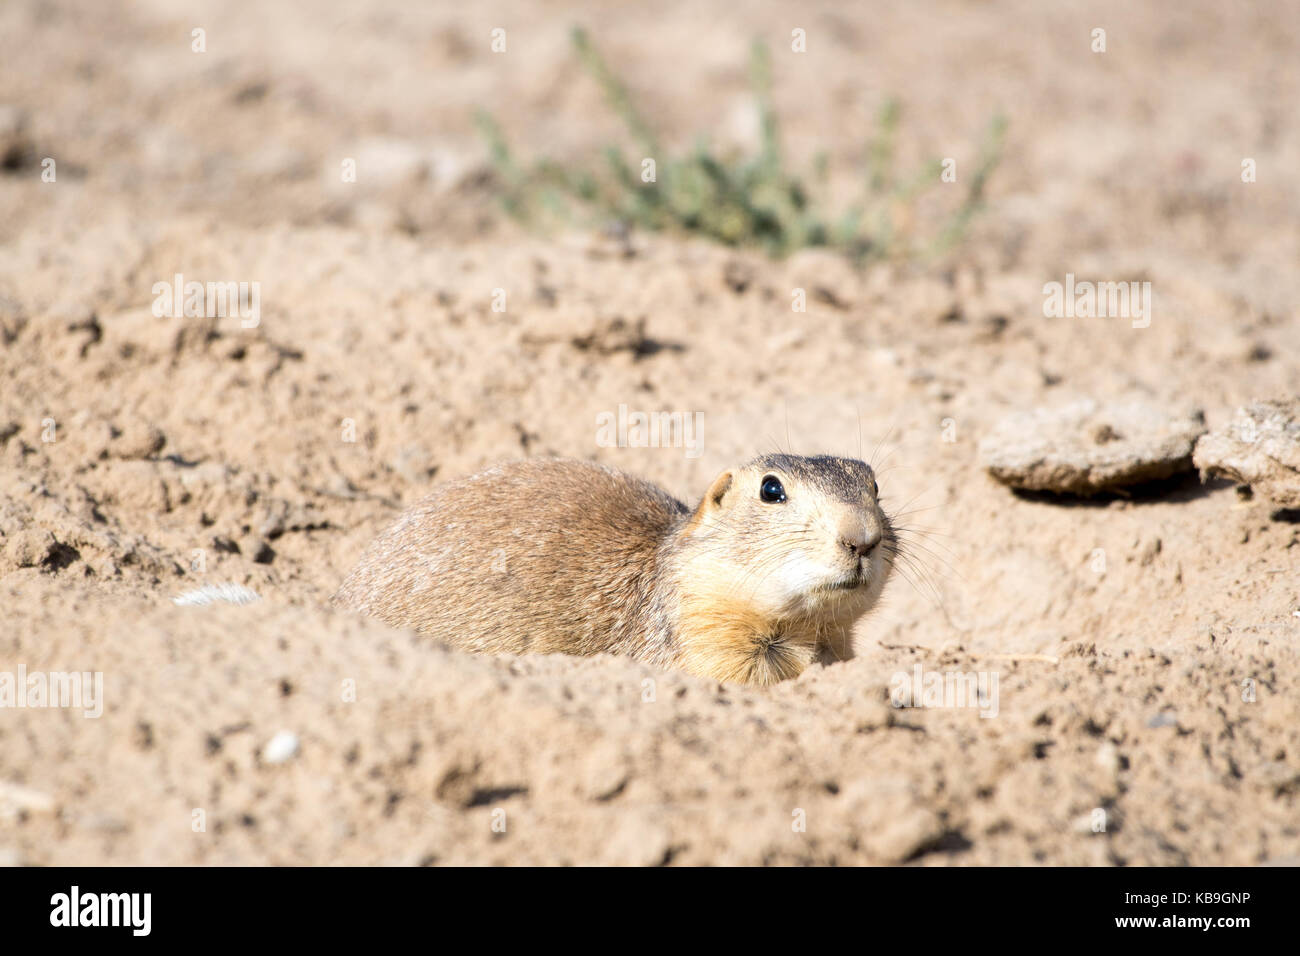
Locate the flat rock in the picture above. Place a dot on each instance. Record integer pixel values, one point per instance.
(1260, 447)
(1088, 447)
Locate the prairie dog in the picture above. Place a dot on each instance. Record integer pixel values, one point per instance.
(767, 574)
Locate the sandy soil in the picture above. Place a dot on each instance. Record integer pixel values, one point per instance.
(1125, 633)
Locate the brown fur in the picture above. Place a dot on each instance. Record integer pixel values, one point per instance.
(546, 556)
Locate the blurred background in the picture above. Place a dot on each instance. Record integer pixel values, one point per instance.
(1135, 148)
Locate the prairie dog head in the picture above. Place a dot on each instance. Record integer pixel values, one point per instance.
(788, 536)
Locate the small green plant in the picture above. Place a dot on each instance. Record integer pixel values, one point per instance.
(741, 201)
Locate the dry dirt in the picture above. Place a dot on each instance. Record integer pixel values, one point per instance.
(1145, 646)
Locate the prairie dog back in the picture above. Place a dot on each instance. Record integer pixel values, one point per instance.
(535, 556)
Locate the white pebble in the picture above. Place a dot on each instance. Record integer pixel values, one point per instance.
(283, 746)
(1108, 757)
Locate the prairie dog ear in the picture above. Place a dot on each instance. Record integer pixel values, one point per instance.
(711, 503)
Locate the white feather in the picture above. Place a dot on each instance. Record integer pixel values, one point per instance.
(224, 593)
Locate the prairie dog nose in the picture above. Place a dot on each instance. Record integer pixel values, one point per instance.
(858, 536)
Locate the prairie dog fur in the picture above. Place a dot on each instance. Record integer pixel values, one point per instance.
(767, 574)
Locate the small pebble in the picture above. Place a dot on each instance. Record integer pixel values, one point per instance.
(1108, 757)
(282, 747)
(1165, 719)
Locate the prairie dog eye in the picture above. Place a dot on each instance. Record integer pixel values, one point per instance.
(875, 489)
(771, 490)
